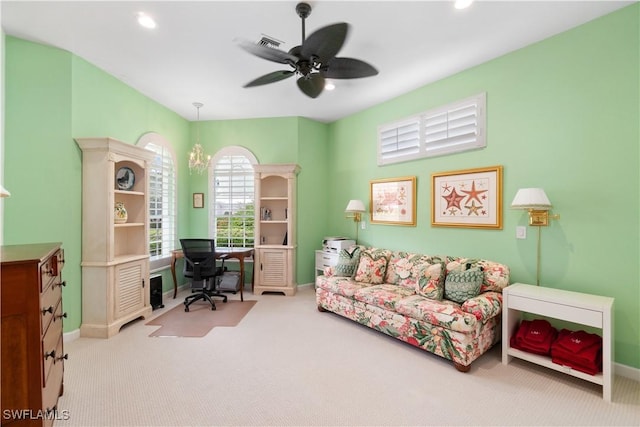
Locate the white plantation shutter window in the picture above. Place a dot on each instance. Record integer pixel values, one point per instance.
(456, 127)
(232, 207)
(162, 200)
(399, 141)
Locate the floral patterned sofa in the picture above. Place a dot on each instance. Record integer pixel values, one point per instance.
(449, 306)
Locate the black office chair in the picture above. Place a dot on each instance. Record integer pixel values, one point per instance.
(200, 265)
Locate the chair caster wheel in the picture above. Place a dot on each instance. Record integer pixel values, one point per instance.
(213, 308)
(186, 309)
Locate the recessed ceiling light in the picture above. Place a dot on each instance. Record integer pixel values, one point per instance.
(146, 21)
(328, 85)
(463, 4)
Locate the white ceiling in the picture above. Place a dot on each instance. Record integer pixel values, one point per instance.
(193, 54)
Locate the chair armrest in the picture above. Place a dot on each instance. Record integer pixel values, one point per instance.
(484, 306)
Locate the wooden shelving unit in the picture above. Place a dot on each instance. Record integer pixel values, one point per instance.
(275, 254)
(115, 257)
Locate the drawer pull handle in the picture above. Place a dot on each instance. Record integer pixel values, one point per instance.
(65, 357)
(47, 310)
(60, 316)
(49, 354)
(63, 283)
(51, 272)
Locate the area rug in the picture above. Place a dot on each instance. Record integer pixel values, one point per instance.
(200, 319)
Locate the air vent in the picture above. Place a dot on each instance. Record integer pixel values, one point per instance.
(269, 41)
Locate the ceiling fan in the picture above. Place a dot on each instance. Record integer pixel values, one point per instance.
(314, 60)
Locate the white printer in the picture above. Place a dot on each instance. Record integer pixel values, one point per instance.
(336, 244)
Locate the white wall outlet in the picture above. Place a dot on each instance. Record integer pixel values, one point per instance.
(521, 232)
(363, 225)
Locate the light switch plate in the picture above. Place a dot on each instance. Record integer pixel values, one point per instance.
(521, 232)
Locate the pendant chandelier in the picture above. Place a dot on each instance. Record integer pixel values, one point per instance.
(198, 161)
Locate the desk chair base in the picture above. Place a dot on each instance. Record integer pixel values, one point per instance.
(204, 295)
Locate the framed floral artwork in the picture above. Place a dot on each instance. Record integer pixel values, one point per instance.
(393, 201)
(467, 198)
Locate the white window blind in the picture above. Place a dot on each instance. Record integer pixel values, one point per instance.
(456, 127)
(233, 204)
(162, 203)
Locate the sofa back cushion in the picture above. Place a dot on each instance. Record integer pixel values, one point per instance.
(402, 269)
(372, 266)
(496, 275)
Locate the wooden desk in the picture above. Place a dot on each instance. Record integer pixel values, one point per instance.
(239, 253)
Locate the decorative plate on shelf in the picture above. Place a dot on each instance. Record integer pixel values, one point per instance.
(125, 178)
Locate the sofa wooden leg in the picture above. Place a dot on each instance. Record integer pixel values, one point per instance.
(461, 368)
(321, 309)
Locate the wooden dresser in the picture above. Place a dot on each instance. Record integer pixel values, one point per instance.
(31, 350)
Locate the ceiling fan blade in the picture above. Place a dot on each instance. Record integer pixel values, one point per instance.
(312, 85)
(268, 53)
(270, 78)
(326, 42)
(348, 68)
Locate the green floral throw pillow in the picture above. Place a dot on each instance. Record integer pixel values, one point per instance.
(460, 286)
(348, 260)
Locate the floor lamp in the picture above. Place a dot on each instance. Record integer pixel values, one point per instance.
(354, 210)
(536, 202)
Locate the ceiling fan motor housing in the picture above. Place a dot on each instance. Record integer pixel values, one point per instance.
(303, 10)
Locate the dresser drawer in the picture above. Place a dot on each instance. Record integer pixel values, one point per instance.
(52, 389)
(52, 345)
(48, 271)
(48, 302)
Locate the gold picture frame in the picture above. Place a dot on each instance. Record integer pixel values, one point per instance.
(198, 200)
(393, 201)
(467, 198)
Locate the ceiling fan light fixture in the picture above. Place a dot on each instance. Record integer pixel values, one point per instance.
(313, 60)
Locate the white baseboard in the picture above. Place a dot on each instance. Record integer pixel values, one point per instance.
(71, 336)
(626, 371)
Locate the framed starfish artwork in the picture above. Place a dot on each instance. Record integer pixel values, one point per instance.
(393, 201)
(467, 198)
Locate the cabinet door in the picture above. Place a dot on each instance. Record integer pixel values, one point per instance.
(273, 267)
(130, 287)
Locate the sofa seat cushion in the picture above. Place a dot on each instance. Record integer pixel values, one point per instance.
(385, 296)
(445, 313)
(345, 286)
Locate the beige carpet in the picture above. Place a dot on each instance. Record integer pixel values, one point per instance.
(200, 319)
(287, 364)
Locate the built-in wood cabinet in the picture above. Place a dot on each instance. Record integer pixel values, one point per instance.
(115, 252)
(275, 229)
(33, 356)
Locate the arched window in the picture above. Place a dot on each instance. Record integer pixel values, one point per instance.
(232, 207)
(162, 199)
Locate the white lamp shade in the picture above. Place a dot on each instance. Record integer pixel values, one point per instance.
(531, 198)
(355, 206)
(4, 192)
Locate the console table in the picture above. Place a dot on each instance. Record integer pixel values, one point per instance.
(583, 309)
(238, 253)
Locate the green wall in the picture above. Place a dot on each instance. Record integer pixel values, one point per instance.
(562, 114)
(51, 97)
